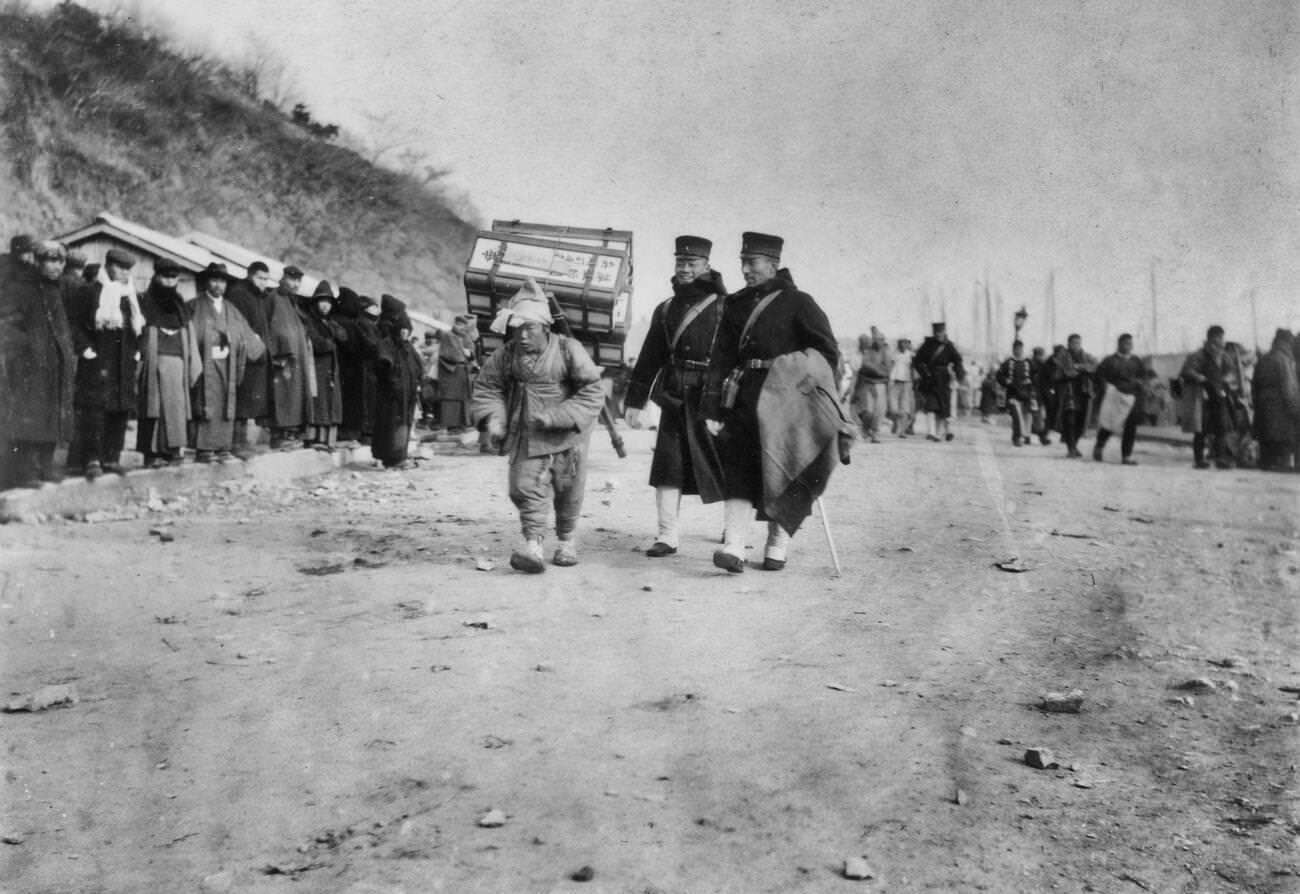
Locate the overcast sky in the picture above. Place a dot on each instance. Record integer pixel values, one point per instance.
(901, 148)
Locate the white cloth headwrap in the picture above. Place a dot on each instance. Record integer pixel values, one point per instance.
(108, 315)
(528, 305)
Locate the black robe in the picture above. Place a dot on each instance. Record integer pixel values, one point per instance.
(398, 372)
(357, 356)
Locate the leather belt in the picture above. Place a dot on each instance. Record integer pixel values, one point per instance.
(756, 364)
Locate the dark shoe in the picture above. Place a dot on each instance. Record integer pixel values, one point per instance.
(1096, 454)
(204, 456)
(1220, 464)
(726, 561)
(114, 469)
(158, 462)
(93, 470)
(1072, 453)
(1202, 465)
(770, 564)
(1129, 462)
(659, 549)
(225, 456)
(931, 438)
(949, 436)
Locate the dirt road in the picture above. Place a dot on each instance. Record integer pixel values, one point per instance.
(315, 688)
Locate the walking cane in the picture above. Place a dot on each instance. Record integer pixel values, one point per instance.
(830, 541)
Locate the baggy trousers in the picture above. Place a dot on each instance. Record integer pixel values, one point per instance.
(539, 483)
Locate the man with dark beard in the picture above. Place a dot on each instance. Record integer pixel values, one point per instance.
(670, 371)
(253, 400)
(771, 331)
(170, 365)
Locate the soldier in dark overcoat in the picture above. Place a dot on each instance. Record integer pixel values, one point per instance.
(670, 370)
(37, 365)
(767, 319)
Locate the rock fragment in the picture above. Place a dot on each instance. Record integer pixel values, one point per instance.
(1041, 759)
(858, 869)
(57, 696)
(1197, 684)
(585, 874)
(493, 819)
(1062, 702)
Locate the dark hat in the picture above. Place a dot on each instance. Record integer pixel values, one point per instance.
(121, 259)
(390, 306)
(76, 258)
(166, 267)
(693, 247)
(323, 290)
(215, 270)
(258, 267)
(22, 244)
(936, 328)
(293, 272)
(761, 244)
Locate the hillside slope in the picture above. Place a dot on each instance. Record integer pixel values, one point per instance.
(96, 114)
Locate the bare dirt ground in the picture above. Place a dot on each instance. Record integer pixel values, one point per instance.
(314, 688)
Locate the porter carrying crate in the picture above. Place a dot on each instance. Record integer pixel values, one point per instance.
(588, 270)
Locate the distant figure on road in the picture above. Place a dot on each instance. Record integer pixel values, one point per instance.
(1206, 412)
(1277, 405)
(539, 395)
(458, 362)
(1073, 370)
(871, 386)
(1126, 375)
(1016, 376)
(670, 371)
(902, 397)
(106, 324)
(936, 365)
(37, 366)
(772, 403)
(226, 343)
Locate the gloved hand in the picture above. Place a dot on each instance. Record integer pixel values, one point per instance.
(714, 426)
(220, 353)
(89, 354)
(496, 428)
(632, 416)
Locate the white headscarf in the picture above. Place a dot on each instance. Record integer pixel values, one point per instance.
(528, 305)
(108, 315)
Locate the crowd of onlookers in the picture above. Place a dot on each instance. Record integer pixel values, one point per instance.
(1241, 410)
(247, 365)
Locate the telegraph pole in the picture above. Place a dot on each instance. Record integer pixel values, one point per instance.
(1155, 313)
